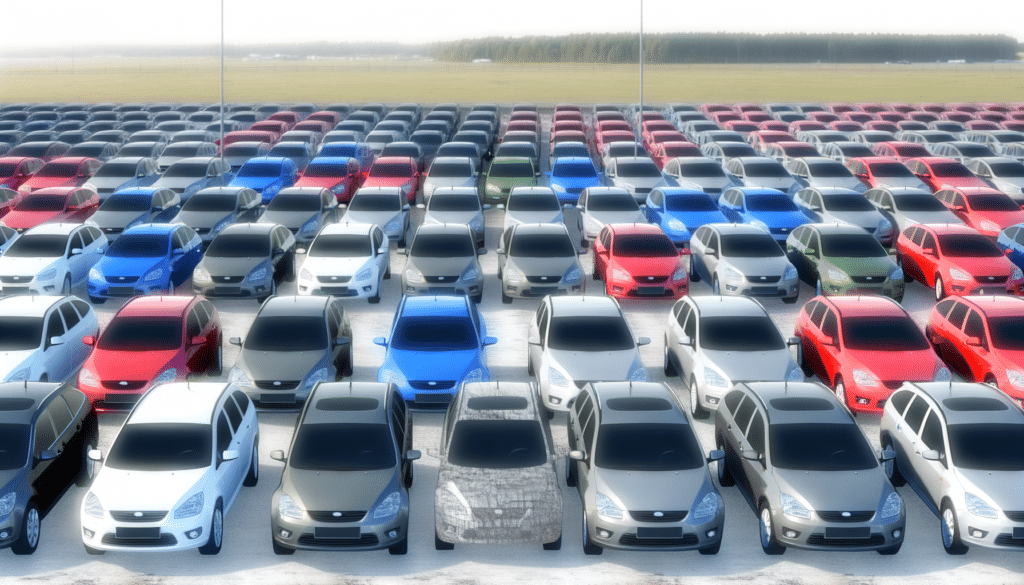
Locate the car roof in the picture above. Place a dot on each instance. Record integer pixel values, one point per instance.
(633, 159)
(865, 306)
(727, 306)
(434, 306)
(966, 411)
(735, 228)
(347, 227)
(225, 190)
(628, 229)
(585, 305)
(836, 228)
(497, 401)
(395, 191)
(158, 229)
(948, 228)
(156, 306)
(643, 402)
(573, 160)
(178, 402)
(539, 228)
(294, 305)
(829, 191)
(302, 191)
(54, 228)
(20, 401)
(249, 228)
(394, 159)
(798, 402)
(995, 306)
(347, 402)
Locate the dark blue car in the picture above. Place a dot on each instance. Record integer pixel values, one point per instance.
(266, 175)
(768, 209)
(1011, 242)
(680, 211)
(357, 150)
(147, 259)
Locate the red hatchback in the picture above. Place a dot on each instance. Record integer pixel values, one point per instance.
(981, 338)
(15, 170)
(665, 151)
(395, 171)
(900, 150)
(341, 175)
(150, 341)
(54, 205)
(865, 347)
(985, 209)
(943, 173)
(956, 260)
(639, 261)
(71, 171)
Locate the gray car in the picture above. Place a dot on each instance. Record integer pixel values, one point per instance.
(704, 173)
(246, 260)
(496, 480)
(450, 171)
(457, 205)
(807, 470)
(713, 343)
(824, 172)
(839, 205)
(741, 259)
(303, 210)
(958, 446)
(532, 205)
(636, 174)
(294, 343)
(538, 259)
(386, 207)
(176, 151)
(187, 176)
(119, 173)
(762, 171)
(640, 471)
(212, 209)
(600, 206)
(443, 261)
(1006, 174)
(906, 206)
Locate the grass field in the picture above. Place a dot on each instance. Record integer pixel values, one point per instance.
(323, 81)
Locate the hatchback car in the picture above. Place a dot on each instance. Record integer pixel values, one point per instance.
(50, 259)
(386, 207)
(42, 338)
(768, 209)
(679, 211)
(884, 171)
(15, 170)
(639, 261)
(303, 210)
(211, 210)
(132, 207)
(395, 171)
(1005, 174)
(824, 172)
(188, 176)
(442, 259)
(246, 260)
(983, 208)
(844, 259)
(61, 172)
(839, 205)
(52, 205)
(638, 175)
(341, 175)
(237, 153)
(1010, 241)
(179, 150)
(532, 205)
(570, 175)
(506, 173)
(175, 468)
(737, 259)
(600, 206)
(457, 205)
(266, 175)
(762, 172)
(943, 173)
(906, 206)
(151, 341)
(703, 173)
(146, 259)
(535, 260)
(123, 173)
(450, 171)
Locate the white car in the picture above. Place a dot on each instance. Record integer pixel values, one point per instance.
(42, 337)
(532, 205)
(449, 171)
(1006, 174)
(50, 259)
(637, 174)
(457, 205)
(7, 237)
(600, 206)
(346, 260)
(175, 468)
(386, 207)
(703, 173)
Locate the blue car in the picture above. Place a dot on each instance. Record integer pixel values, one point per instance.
(357, 150)
(131, 207)
(570, 175)
(680, 211)
(266, 175)
(436, 344)
(1011, 242)
(152, 258)
(768, 209)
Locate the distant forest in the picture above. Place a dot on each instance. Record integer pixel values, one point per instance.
(731, 48)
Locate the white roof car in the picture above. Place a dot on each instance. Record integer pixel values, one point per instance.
(449, 171)
(600, 206)
(42, 337)
(383, 206)
(532, 205)
(51, 259)
(346, 260)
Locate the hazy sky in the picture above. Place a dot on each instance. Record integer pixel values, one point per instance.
(132, 22)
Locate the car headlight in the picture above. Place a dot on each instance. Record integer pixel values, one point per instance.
(555, 378)
(1017, 274)
(979, 507)
(606, 507)
(287, 507)
(884, 226)
(791, 273)
(413, 276)
(95, 274)
(166, 376)
(305, 274)
(730, 274)
(87, 378)
(395, 223)
(680, 273)
(896, 275)
(392, 376)
(943, 375)
(24, 188)
(20, 375)
(639, 374)
(793, 508)
(988, 226)
(388, 507)
(365, 273)
(714, 379)
(838, 276)
(7, 504)
(220, 225)
(619, 274)
(47, 274)
(309, 226)
(557, 188)
(593, 224)
(237, 377)
(259, 274)
(706, 509)
(862, 378)
(676, 225)
(891, 508)
(471, 273)
(1015, 377)
(513, 275)
(573, 274)
(795, 375)
(191, 507)
(956, 274)
(492, 188)
(477, 375)
(760, 224)
(154, 275)
(477, 223)
(201, 274)
(93, 507)
(317, 376)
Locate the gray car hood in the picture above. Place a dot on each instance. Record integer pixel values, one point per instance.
(604, 366)
(1002, 488)
(460, 217)
(328, 491)
(838, 491)
(534, 488)
(752, 366)
(543, 266)
(864, 219)
(218, 266)
(380, 218)
(201, 219)
(758, 266)
(289, 219)
(450, 181)
(652, 490)
(441, 266)
(278, 365)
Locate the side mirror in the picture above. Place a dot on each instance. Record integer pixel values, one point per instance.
(750, 454)
(57, 340)
(420, 206)
(48, 455)
(829, 341)
(235, 341)
(405, 207)
(197, 340)
(715, 455)
(686, 340)
(567, 206)
(95, 455)
(972, 341)
(481, 251)
(380, 341)
(412, 455)
(300, 250)
(577, 455)
(643, 341)
(887, 455)
(490, 340)
(76, 251)
(711, 252)
(960, 208)
(793, 341)
(89, 340)
(229, 455)
(930, 455)
(278, 455)
(487, 206)
(929, 251)
(812, 252)
(177, 252)
(533, 340)
(343, 341)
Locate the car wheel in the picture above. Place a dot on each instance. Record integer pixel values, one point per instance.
(694, 276)
(280, 549)
(216, 539)
(346, 368)
(87, 471)
(218, 367)
(589, 548)
(387, 272)
(804, 364)
(769, 544)
(907, 278)
(290, 272)
(990, 380)
(571, 472)
(505, 298)
(696, 410)
(841, 391)
(401, 241)
(940, 291)
(716, 288)
(407, 479)
(66, 288)
(440, 544)
(97, 300)
(556, 545)
(478, 298)
(669, 367)
(950, 531)
(253, 475)
(529, 366)
(400, 548)
(30, 527)
(375, 298)
(817, 288)
(725, 478)
(892, 469)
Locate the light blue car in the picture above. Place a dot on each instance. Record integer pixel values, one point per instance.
(266, 175)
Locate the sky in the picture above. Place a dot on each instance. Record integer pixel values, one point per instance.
(196, 22)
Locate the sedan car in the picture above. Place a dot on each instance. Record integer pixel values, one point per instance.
(600, 206)
(303, 210)
(146, 259)
(151, 341)
(43, 337)
(807, 470)
(906, 206)
(52, 205)
(442, 259)
(188, 176)
(211, 210)
(839, 205)
(983, 208)
(768, 209)
(535, 260)
(50, 259)
(738, 259)
(131, 207)
(123, 173)
(639, 261)
(246, 260)
(175, 468)
(61, 172)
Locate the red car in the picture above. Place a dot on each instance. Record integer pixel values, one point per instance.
(875, 108)
(762, 138)
(980, 339)
(865, 347)
(607, 125)
(802, 125)
(955, 116)
(53, 205)
(341, 175)
(610, 136)
(289, 118)
(985, 209)
(566, 116)
(923, 117)
(981, 125)
(278, 127)
(885, 124)
(859, 117)
(930, 107)
(742, 126)
(883, 171)
(526, 115)
(639, 261)
(151, 340)
(15, 170)
(845, 126)
(657, 126)
(569, 125)
(665, 151)
(332, 118)
(841, 108)
(774, 126)
(522, 125)
(319, 126)
(395, 171)
(943, 173)
(723, 117)
(709, 109)
(956, 260)
(759, 117)
(62, 172)
(8, 199)
(250, 136)
(661, 136)
(991, 116)
(823, 117)
(747, 107)
(900, 150)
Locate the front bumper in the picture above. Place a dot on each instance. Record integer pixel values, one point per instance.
(104, 290)
(168, 534)
(752, 287)
(525, 289)
(973, 287)
(244, 289)
(364, 534)
(631, 289)
(888, 288)
(456, 287)
(627, 533)
(344, 286)
(1002, 532)
(10, 526)
(29, 285)
(818, 534)
(505, 525)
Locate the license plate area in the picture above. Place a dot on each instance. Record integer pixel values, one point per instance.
(121, 290)
(137, 532)
(543, 290)
(121, 398)
(443, 398)
(336, 532)
(660, 532)
(227, 290)
(650, 290)
(1018, 532)
(282, 398)
(764, 290)
(335, 290)
(847, 532)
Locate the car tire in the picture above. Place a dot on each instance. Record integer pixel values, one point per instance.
(571, 472)
(712, 549)
(669, 367)
(556, 545)
(375, 298)
(440, 544)
(280, 549)
(401, 241)
(529, 366)
(400, 548)
(589, 548)
(218, 366)
(478, 298)
(725, 478)
(97, 300)
(65, 289)
(387, 272)
(804, 365)
(216, 539)
(408, 477)
(769, 544)
(346, 369)
(694, 275)
(31, 526)
(892, 468)
(949, 529)
(716, 288)
(505, 298)
(252, 477)
(840, 390)
(940, 291)
(697, 411)
(87, 471)
(791, 300)
(93, 551)
(290, 272)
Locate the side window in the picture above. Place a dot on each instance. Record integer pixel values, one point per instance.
(542, 323)
(915, 414)
(75, 399)
(1020, 237)
(586, 409)
(818, 313)
(82, 306)
(943, 307)
(95, 232)
(715, 242)
(202, 315)
(588, 435)
(192, 326)
(223, 434)
(975, 327)
(656, 198)
(900, 400)
(743, 414)
(76, 241)
(931, 434)
(54, 328)
(803, 236)
(234, 415)
(333, 324)
(87, 237)
(957, 315)
(690, 328)
(918, 236)
(732, 400)
(70, 316)
(814, 242)
(58, 411)
(830, 326)
(44, 433)
(242, 400)
(755, 434)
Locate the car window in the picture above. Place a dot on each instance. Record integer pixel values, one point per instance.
(830, 326)
(755, 434)
(1020, 237)
(45, 435)
(732, 400)
(588, 435)
(542, 323)
(931, 434)
(76, 241)
(690, 327)
(398, 416)
(900, 399)
(61, 415)
(87, 237)
(957, 315)
(82, 306)
(975, 327)
(70, 316)
(223, 434)
(234, 415)
(915, 414)
(743, 414)
(242, 400)
(943, 307)
(684, 312)
(586, 409)
(54, 328)
(192, 325)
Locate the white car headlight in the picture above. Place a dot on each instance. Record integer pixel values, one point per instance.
(606, 507)
(317, 376)
(201, 274)
(838, 276)
(471, 273)
(388, 507)
(866, 379)
(618, 274)
(956, 274)
(706, 509)
(1016, 377)
(573, 274)
(413, 276)
(891, 508)
(305, 274)
(47, 274)
(791, 273)
(557, 188)
(239, 378)
(896, 275)
(287, 507)
(477, 375)
(760, 224)
(980, 507)
(680, 273)
(20, 375)
(95, 274)
(943, 375)
(87, 378)
(730, 274)
(365, 273)
(191, 507)
(555, 378)
(676, 225)
(154, 275)
(93, 506)
(492, 188)
(513, 275)
(7, 504)
(258, 275)
(793, 508)
(166, 376)
(714, 379)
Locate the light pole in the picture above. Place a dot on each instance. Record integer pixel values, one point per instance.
(641, 113)
(222, 80)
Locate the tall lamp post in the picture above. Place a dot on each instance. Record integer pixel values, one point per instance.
(222, 80)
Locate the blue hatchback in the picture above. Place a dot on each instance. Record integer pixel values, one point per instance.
(436, 344)
(680, 211)
(768, 209)
(1011, 242)
(357, 150)
(152, 258)
(570, 175)
(266, 175)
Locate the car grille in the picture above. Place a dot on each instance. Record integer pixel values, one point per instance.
(363, 540)
(14, 279)
(854, 516)
(438, 401)
(441, 290)
(432, 384)
(124, 384)
(507, 515)
(227, 279)
(1015, 516)
(649, 516)
(632, 540)
(763, 279)
(434, 279)
(544, 279)
(820, 540)
(277, 384)
(868, 279)
(650, 279)
(122, 279)
(148, 516)
(349, 516)
(117, 401)
(333, 279)
(641, 190)
(991, 279)
(164, 540)
(1007, 539)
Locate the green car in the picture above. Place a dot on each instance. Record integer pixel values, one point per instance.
(843, 259)
(507, 172)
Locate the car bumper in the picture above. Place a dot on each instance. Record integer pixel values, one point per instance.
(491, 527)
(751, 288)
(710, 397)
(168, 535)
(526, 289)
(634, 290)
(458, 287)
(817, 534)
(106, 290)
(308, 534)
(243, 289)
(973, 287)
(10, 527)
(989, 532)
(31, 287)
(628, 534)
(892, 289)
(359, 289)
(557, 398)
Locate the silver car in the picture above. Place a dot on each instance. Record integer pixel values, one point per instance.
(538, 259)
(636, 174)
(704, 173)
(958, 445)
(532, 205)
(600, 206)
(450, 171)
(713, 343)
(211, 210)
(386, 207)
(807, 470)
(762, 171)
(640, 471)
(906, 206)
(741, 259)
(457, 205)
(1006, 174)
(303, 210)
(246, 260)
(838, 205)
(176, 151)
(443, 261)
(118, 173)
(819, 171)
(496, 481)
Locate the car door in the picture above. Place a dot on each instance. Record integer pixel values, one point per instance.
(538, 332)
(69, 456)
(736, 442)
(906, 441)
(687, 353)
(829, 344)
(57, 356)
(586, 441)
(195, 357)
(228, 477)
(401, 431)
(75, 330)
(602, 250)
(179, 257)
(928, 259)
(45, 470)
(712, 255)
(951, 344)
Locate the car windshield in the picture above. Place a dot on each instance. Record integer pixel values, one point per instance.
(950, 169)
(741, 333)
(13, 446)
(918, 202)
(882, 334)
(161, 447)
(851, 246)
(8, 169)
(644, 246)
(690, 203)
(140, 246)
(261, 170)
(340, 246)
(287, 333)
(1008, 137)
(766, 170)
(446, 170)
(891, 170)
(455, 150)
(964, 246)
(1002, 170)
(443, 246)
(541, 246)
(454, 202)
(1007, 333)
(115, 169)
(180, 150)
(434, 334)
(399, 170)
(375, 203)
(139, 149)
(612, 202)
(326, 170)
(988, 446)
(343, 447)
(38, 246)
(20, 333)
(533, 202)
(141, 334)
(240, 246)
(828, 170)
(287, 202)
(647, 447)
(750, 246)
(992, 202)
(701, 170)
(285, 150)
(820, 447)
(642, 170)
(624, 149)
(574, 170)
(590, 334)
(119, 202)
(42, 203)
(189, 170)
(62, 170)
(210, 202)
(849, 202)
(524, 149)
(570, 149)
(511, 170)
(735, 149)
(497, 444)
(770, 202)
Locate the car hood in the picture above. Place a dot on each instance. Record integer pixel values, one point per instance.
(449, 182)
(780, 219)
(647, 183)
(289, 219)
(834, 490)
(279, 365)
(11, 478)
(901, 182)
(907, 365)
(36, 183)
(714, 183)
(121, 489)
(576, 183)
(933, 217)
(865, 219)
(507, 183)
(12, 361)
(997, 266)
(1002, 488)
(336, 490)
(694, 219)
(380, 218)
(782, 184)
(12, 266)
(1002, 218)
(201, 219)
(752, 366)
(387, 182)
(109, 266)
(556, 267)
(533, 217)
(852, 183)
(322, 265)
(657, 266)
(109, 183)
(607, 217)
(433, 365)
(877, 266)
(652, 490)
(28, 219)
(257, 184)
(758, 266)
(115, 219)
(136, 365)
(461, 217)
(323, 182)
(177, 182)
(533, 488)
(441, 266)
(593, 366)
(218, 266)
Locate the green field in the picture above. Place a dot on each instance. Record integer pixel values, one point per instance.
(324, 81)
